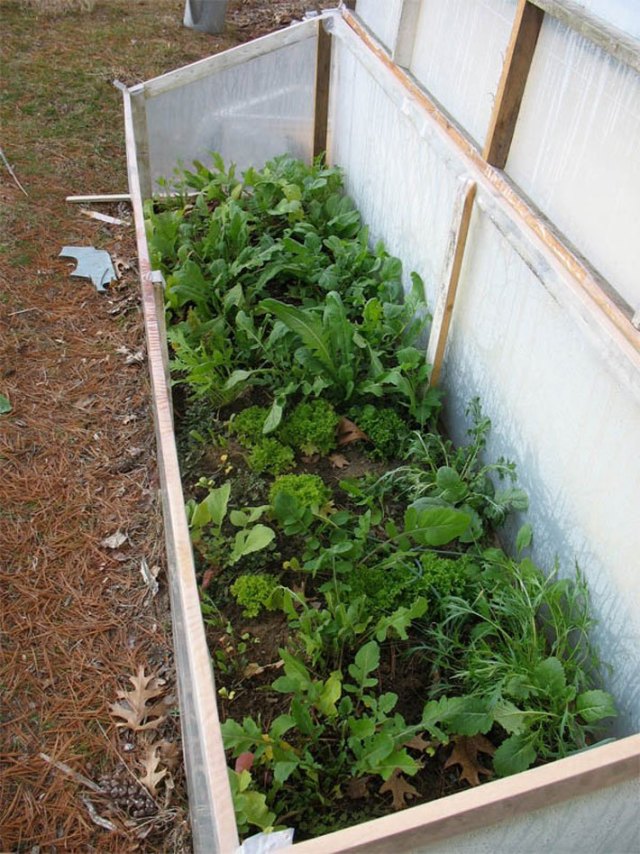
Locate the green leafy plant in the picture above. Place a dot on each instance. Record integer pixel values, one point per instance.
(311, 427)
(253, 592)
(387, 431)
(270, 455)
(522, 646)
(248, 425)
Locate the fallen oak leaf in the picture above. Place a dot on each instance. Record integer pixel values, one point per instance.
(419, 743)
(153, 776)
(169, 753)
(338, 461)
(114, 541)
(349, 432)
(465, 754)
(400, 789)
(357, 787)
(135, 711)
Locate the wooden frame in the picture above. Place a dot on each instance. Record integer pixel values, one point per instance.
(522, 44)
(323, 76)
(214, 828)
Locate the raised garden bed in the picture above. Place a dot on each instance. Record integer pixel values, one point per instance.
(373, 645)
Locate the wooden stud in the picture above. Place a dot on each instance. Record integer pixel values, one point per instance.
(323, 77)
(522, 45)
(453, 264)
(107, 198)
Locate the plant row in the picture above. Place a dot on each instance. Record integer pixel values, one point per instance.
(411, 642)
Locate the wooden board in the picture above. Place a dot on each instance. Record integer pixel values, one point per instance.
(443, 310)
(323, 76)
(522, 45)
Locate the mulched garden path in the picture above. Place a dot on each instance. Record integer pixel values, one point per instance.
(79, 510)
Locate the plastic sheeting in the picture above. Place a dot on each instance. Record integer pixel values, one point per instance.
(575, 151)
(624, 14)
(458, 53)
(248, 112)
(382, 18)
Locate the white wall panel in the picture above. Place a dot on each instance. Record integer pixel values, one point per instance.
(624, 14)
(404, 190)
(562, 412)
(382, 17)
(576, 151)
(458, 55)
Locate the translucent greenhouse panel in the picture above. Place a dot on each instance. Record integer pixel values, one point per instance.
(576, 148)
(457, 56)
(385, 167)
(624, 14)
(382, 18)
(248, 112)
(566, 827)
(564, 410)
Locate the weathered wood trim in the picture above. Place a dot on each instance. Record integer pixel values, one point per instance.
(212, 814)
(488, 804)
(141, 135)
(522, 45)
(227, 59)
(453, 264)
(409, 95)
(323, 77)
(614, 41)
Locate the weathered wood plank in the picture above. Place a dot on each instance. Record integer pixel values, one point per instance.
(522, 45)
(323, 77)
(443, 310)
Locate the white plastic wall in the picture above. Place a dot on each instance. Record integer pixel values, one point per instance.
(382, 17)
(457, 55)
(564, 401)
(623, 14)
(576, 151)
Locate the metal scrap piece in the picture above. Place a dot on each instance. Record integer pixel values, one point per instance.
(94, 264)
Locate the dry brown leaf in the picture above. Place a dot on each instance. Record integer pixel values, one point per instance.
(338, 461)
(135, 711)
(153, 775)
(169, 753)
(357, 787)
(465, 754)
(349, 432)
(400, 789)
(419, 743)
(255, 669)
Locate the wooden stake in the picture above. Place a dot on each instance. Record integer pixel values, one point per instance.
(453, 264)
(323, 75)
(522, 45)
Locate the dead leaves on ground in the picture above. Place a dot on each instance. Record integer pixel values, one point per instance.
(348, 431)
(400, 789)
(136, 712)
(465, 754)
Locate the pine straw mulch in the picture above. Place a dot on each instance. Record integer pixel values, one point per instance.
(77, 450)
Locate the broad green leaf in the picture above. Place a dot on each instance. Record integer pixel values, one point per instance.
(366, 660)
(435, 526)
(237, 738)
(468, 716)
(550, 676)
(330, 694)
(5, 405)
(253, 808)
(515, 754)
(274, 417)
(376, 750)
(399, 760)
(509, 717)
(400, 620)
(452, 488)
(387, 702)
(309, 328)
(592, 706)
(283, 770)
(237, 377)
(242, 518)
(253, 540)
(524, 538)
(281, 725)
(362, 727)
(216, 503)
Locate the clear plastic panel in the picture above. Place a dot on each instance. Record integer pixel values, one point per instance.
(248, 112)
(576, 151)
(560, 412)
(403, 188)
(458, 54)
